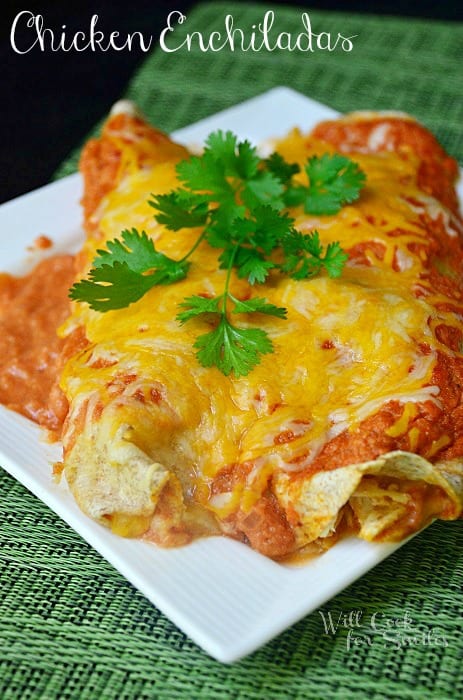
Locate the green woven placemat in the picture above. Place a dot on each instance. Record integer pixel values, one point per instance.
(70, 626)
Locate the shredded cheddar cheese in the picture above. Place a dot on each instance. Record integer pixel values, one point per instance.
(401, 425)
(370, 316)
(178, 443)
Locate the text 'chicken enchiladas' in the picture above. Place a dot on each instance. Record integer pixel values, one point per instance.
(350, 415)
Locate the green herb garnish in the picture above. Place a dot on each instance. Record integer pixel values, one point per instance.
(239, 202)
(334, 180)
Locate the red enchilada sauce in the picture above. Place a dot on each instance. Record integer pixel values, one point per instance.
(31, 310)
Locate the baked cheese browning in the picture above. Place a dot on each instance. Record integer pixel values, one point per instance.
(126, 142)
(376, 133)
(356, 416)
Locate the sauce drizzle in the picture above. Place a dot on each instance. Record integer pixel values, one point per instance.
(31, 309)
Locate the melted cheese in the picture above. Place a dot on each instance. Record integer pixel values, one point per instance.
(348, 346)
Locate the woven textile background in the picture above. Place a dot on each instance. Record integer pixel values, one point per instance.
(70, 626)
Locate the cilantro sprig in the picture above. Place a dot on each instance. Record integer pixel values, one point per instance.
(118, 276)
(227, 346)
(238, 202)
(334, 180)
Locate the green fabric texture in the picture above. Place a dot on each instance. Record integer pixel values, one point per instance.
(70, 625)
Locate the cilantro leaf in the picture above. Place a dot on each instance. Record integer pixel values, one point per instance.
(196, 305)
(250, 264)
(180, 209)
(239, 160)
(205, 174)
(270, 228)
(232, 349)
(138, 252)
(111, 287)
(246, 242)
(257, 304)
(118, 276)
(221, 221)
(247, 161)
(334, 180)
(222, 146)
(253, 239)
(303, 256)
(295, 195)
(282, 170)
(133, 248)
(335, 259)
(264, 188)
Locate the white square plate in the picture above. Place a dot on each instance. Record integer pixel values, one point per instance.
(229, 599)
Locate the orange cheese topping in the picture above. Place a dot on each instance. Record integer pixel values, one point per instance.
(354, 350)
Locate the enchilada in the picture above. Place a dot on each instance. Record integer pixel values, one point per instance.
(352, 423)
